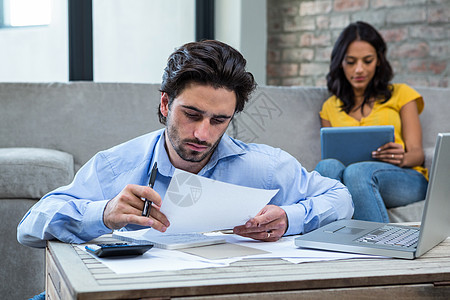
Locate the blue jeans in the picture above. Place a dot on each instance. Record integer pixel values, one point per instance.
(375, 186)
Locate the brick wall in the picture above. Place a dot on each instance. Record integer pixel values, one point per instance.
(301, 34)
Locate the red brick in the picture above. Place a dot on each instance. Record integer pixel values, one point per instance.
(340, 21)
(438, 81)
(417, 66)
(289, 9)
(297, 55)
(439, 14)
(323, 22)
(394, 35)
(296, 81)
(282, 40)
(315, 7)
(275, 10)
(395, 3)
(350, 5)
(437, 67)
(427, 32)
(274, 81)
(323, 54)
(440, 49)
(411, 50)
(309, 39)
(282, 70)
(273, 56)
(406, 15)
(423, 66)
(321, 81)
(299, 24)
(396, 66)
(274, 25)
(313, 69)
(414, 80)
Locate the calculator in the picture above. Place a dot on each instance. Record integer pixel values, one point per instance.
(118, 249)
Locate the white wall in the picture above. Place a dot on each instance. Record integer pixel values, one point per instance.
(133, 39)
(242, 24)
(38, 53)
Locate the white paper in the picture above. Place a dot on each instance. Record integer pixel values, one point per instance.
(158, 260)
(197, 204)
(170, 260)
(285, 248)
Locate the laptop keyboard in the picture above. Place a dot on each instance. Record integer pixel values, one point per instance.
(392, 235)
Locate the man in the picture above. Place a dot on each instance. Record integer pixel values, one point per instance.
(204, 85)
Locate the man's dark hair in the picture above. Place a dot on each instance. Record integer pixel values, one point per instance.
(379, 87)
(211, 63)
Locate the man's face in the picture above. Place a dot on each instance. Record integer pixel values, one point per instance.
(196, 121)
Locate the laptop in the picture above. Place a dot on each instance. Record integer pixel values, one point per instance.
(366, 237)
(355, 143)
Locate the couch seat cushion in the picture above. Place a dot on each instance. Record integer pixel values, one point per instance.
(33, 172)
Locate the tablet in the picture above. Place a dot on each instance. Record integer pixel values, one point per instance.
(354, 144)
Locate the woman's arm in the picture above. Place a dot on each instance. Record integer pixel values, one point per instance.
(325, 123)
(412, 136)
(413, 154)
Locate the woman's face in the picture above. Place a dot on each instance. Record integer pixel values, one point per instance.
(359, 65)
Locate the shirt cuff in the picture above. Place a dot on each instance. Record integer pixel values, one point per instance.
(296, 216)
(93, 219)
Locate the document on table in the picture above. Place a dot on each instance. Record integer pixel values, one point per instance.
(197, 258)
(197, 204)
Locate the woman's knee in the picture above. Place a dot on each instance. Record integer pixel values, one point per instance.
(330, 167)
(329, 163)
(358, 171)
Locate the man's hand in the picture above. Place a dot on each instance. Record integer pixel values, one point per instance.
(126, 208)
(268, 225)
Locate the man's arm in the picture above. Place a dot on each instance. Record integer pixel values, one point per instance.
(326, 200)
(75, 213)
(306, 201)
(71, 213)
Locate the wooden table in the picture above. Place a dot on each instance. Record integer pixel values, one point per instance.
(74, 274)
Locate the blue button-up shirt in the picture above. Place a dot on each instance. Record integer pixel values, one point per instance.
(74, 213)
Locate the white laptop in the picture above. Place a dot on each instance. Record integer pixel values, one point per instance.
(389, 239)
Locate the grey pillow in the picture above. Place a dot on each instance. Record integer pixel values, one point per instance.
(33, 172)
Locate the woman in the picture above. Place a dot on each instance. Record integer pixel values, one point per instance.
(359, 80)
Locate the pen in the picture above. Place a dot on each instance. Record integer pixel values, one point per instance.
(148, 203)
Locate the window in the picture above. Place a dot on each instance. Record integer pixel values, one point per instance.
(19, 13)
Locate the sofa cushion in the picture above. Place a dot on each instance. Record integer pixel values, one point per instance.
(33, 172)
(409, 213)
(286, 118)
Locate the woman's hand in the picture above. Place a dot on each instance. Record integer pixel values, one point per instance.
(391, 152)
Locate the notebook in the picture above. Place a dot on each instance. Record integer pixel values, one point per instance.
(355, 143)
(372, 238)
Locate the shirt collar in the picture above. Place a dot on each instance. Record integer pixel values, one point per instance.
(226, 148)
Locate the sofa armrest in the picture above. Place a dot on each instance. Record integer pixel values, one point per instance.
(30, 173)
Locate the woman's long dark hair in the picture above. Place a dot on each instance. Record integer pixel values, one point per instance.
(379, 87)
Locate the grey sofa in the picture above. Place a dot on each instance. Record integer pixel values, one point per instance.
(49, 130)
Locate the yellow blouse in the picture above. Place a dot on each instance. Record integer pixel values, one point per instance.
(387, 113)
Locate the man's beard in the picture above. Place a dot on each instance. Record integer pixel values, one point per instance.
(188, 154)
